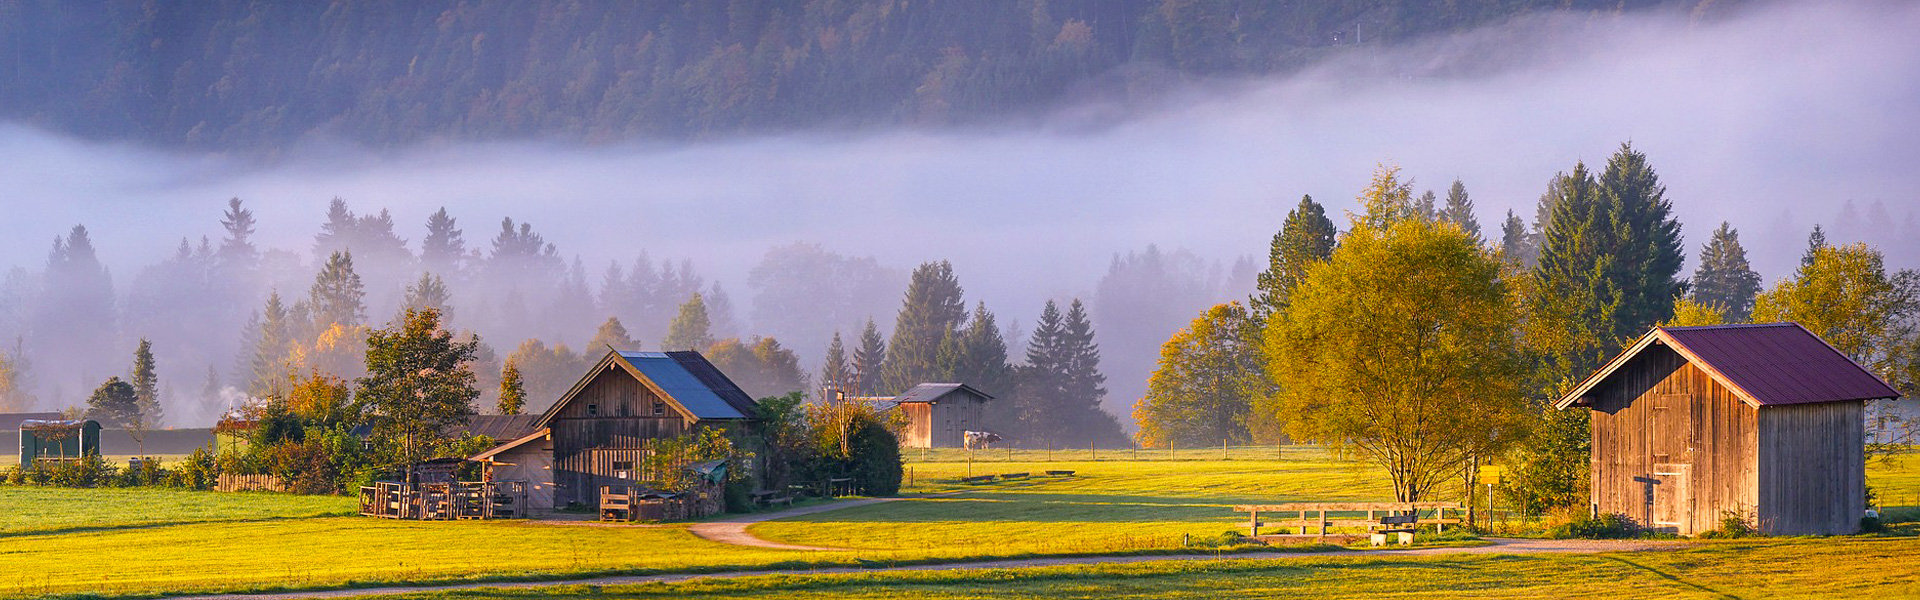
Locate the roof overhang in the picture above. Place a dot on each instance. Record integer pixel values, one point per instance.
(538, 434)
(1578, 397)
(612, 360)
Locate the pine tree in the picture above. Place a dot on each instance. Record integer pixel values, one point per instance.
(1649, 249)
(691, 329)
(1061, 385)
(115, 403)
(836, 373)
(445, 247)
(1426, 207)
(1516, 243)
(430, 292)
(720, 310)
(237, 253)
(146, 383)
(210, 391)
(868, 359)
(1816, 241)
(1580, 307)
(1459, 210)
(269, 363)
(1724, 279)
(933, 308)
(513, 395)
(1306, 237)
(983, 355)
(611, 334)
(337, 296)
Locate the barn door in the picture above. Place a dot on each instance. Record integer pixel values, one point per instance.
(1673, 497)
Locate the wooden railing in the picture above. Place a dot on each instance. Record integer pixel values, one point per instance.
(445, 501)
(228, 482)
(1321, 509)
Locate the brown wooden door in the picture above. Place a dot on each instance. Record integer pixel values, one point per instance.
(1670, 430)
(1673, 497)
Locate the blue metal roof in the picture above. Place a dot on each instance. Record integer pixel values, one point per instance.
(715, 398)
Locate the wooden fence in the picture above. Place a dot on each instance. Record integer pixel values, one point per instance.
(249, 483)
(445, 501)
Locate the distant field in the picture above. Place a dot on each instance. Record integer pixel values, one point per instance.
(1801, 568)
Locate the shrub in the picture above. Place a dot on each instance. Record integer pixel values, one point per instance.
(1732, 525)
(1872, 524)
(198, 471)
(739, 497)
(1604, 527)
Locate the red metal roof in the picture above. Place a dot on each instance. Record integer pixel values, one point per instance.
(1766, 364)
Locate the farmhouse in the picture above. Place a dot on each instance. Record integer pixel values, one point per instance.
(940, 414)
(601, 431)
(1765, 421)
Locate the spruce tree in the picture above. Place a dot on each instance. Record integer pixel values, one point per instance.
(933, 309)
(611, 334)
(1815, 242)
(1061, 385)
(690, 329)
(868, 359)
(268, 367)
(1649, 249)
(337, 296)
(1459, 210)
(1581, 306)
(237, 253)
(1305, 238)
(1516, 243)
(146, 383)
(983, 355)
(430, 292)
(513, 393)
(445, 247)
(836, 373)
(1426, 207)
(1724, 279)
(115, 403)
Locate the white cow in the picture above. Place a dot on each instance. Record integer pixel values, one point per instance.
(976, 440)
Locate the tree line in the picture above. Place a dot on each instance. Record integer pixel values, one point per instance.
(1413, 341)
(229, 74)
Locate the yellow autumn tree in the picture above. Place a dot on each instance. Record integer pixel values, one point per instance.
(1204, 387)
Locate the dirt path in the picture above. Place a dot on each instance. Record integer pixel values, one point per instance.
(1499, 546)
(733, 530)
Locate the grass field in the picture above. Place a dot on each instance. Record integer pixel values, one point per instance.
(140, 541)
(1877, 568)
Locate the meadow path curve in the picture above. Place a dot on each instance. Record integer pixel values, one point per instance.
(733, 530)
(1498, 546)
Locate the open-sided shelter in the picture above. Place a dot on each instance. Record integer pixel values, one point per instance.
(600, 432)
(940, 414)
(57, 439)
(1765, 421)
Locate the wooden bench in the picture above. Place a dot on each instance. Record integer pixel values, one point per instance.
(977, 479)
(1059, 473)
(1403, 525)
(1005, 476)
(1320, 522)
(768, 498)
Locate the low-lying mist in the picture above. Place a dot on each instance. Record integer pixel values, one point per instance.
(1773, 119)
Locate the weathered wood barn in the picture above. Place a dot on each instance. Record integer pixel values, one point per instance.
(1764, 421)
(940, 414)
(599, 432)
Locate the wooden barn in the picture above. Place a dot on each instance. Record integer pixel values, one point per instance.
(940, 414)
(1764, 421)
(599, 432)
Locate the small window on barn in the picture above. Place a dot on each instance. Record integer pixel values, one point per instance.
(623, 469)
(659, 408)
(593, 410)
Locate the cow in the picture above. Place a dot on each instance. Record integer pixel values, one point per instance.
(976, 440)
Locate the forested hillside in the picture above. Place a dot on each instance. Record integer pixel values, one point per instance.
(230, 74)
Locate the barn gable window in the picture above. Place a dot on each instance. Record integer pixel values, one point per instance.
(659, 408)
(593, 410)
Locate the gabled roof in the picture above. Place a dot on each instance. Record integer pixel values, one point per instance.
(691, 384)
(933, 392)
(515, 443)
(498, 427)
(1767, 364)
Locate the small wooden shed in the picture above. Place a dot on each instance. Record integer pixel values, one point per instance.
(57, 439)
(940, 414)
(1765, 421)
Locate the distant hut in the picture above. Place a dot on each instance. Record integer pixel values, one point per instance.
(599, 432)
(1764, 421)
(940, 414)
(42, 440)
